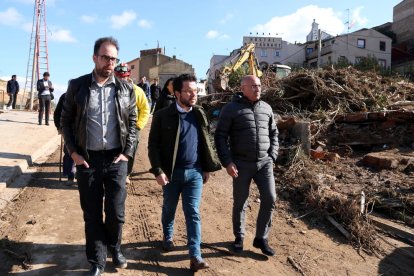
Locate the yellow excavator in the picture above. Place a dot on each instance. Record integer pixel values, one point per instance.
(245, 54)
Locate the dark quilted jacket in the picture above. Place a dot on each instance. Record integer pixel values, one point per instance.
(246, 131)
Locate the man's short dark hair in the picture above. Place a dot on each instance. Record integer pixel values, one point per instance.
(46, 74)
(102, 40)
(13, 76)
(178, 81)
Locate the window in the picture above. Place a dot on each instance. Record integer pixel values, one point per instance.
(277, 53)
(263, 53)
(359, 59)
(361, 43)
(382, 63)
(132, 67)
(309, 50)
(382, 45)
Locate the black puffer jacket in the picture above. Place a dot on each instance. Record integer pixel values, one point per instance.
(246, 131)
(74, 115)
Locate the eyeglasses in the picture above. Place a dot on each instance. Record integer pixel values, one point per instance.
(106, 58)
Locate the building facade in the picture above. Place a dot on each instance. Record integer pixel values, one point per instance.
(353, 47)
(273, 50)
(153, 63)
(403, 28)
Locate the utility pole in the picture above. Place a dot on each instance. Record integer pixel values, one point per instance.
(319, 48)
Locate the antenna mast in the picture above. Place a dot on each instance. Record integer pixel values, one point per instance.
(38, 62)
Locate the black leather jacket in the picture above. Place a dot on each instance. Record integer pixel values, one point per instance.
(74, 115)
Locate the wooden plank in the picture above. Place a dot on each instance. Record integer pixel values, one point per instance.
(396, 230)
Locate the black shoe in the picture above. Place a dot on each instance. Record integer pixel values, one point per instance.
(264, 246)
(197, 263)
(47, 124)
(168, 245)
(95, 271)
(118, 259)
(238, 245)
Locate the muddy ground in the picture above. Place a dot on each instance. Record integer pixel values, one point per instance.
(41, 233)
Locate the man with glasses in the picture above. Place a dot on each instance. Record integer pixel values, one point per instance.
(98, 122)
(247, 144)
(181, 157)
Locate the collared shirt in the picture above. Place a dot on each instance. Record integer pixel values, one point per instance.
(181, 110)
(46, 84)
(102, 125)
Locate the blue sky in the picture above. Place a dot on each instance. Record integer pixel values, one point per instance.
(191, 30)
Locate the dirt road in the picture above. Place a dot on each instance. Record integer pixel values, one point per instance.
(41, 233)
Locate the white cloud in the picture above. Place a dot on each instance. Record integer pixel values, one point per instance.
(212, 34)
(357, 19)
(61, 35)
(122, 20)
(296, 26)
(11, 17)
(143, 23)
(88, 18)
(226, 18)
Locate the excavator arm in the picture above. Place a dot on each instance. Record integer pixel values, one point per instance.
(245, 54)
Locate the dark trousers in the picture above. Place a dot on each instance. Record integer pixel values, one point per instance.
(102, 189)
(12, 100)
(44, 107)
(153, 104)
(68, 165)
(262, 174)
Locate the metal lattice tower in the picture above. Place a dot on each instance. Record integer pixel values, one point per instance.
(38, 62)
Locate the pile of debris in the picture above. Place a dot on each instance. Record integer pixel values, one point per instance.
(333, 125)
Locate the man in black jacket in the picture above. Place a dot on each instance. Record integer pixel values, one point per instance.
(155, 90)
(247, 143)
(45, 93)
(68, 165)
(98, 122)
(181, 157)
(12, 91)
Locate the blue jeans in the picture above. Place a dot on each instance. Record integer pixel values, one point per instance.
(188, 183)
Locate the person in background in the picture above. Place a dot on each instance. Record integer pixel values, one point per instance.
(181, 157)
(98, 123)
(44, 89)
(247, 144)
(68, 164)
(12, 90)
(144, 84)
(123, 72)
(155, 90)
(167, 96)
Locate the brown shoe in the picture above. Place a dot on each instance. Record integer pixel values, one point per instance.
(197, 263)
